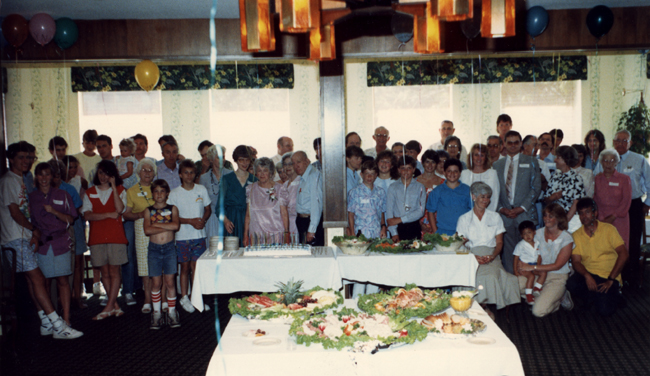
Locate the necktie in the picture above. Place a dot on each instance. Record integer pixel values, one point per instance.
(509, 180)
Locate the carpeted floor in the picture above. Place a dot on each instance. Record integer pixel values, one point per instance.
(565, 343)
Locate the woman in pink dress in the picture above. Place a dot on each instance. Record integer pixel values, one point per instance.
(291, 186)
(613, 194)
(267, 217)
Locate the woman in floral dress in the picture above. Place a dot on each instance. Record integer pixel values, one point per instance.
(566, 187)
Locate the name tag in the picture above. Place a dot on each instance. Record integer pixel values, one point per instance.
(57, 202)
(166, 212)
(365, 201)
(524, 165)
(142, 194)
(612, 184)
(94, 195)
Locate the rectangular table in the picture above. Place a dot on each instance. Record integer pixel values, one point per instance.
(428, 270)
(262, 273)
(237, 355)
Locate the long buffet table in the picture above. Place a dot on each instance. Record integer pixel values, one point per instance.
(327, 268)
(490, 353)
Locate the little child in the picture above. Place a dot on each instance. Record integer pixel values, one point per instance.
(527, 250)
(126, 163)
(160, 222)
(193, 205)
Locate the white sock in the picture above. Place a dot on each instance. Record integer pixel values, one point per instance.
(55, 320)
(539, 286)
(172, 310)
(529, 291)
(44, 320)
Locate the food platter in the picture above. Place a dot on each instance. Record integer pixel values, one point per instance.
(409, 301)
(453, 326)
(352, 245)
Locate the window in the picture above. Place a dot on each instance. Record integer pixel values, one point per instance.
(536, 108)
(121, 115)
(254, 117)
(412, 105)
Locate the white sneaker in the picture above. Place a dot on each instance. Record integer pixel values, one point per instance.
(206, 308)
(66, 332)
(47, 329)
(187, 305)
(98, 289)
(129, 299)
(567, 302)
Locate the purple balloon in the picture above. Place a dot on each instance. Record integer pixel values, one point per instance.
(42, 28)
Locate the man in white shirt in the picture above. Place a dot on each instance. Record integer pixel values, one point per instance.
(381, 137)
(495, 145)
(285, 145)
(529, 147)
(309, 203)
(447, 129)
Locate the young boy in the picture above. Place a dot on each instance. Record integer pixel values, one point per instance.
(527, 250)
(193, 205)
(160, 222)
(413, 149)
(88, 159)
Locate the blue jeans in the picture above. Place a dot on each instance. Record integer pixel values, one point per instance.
(130, 280)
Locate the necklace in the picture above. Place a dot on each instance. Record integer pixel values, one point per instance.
(144, 194)
(213, 184)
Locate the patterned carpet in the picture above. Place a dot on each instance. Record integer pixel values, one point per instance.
(565, 343)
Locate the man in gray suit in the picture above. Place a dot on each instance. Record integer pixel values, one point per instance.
(520, 181)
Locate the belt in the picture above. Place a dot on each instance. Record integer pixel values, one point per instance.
(303, 215)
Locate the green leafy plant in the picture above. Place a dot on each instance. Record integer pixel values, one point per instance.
(637, 121)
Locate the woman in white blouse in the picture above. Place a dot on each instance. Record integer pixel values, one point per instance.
(484, 230)
(479, 170)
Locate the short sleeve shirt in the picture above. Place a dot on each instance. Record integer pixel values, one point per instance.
(190, 204)
(13, 191)
(551, 249)
(480, 232)
(139, 198)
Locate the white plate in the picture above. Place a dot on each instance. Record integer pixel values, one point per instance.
(268, 341)
(482, 340)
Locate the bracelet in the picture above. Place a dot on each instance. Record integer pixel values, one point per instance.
(535, 267)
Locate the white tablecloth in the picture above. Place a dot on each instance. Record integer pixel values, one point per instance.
(261, 274)
(428, 270)
(236, 355)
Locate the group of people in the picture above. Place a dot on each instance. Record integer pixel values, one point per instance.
(544, 225)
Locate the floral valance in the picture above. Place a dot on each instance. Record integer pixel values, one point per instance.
(468, 71)
(186, 77)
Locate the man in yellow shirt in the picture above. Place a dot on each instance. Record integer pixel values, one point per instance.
(598, 258)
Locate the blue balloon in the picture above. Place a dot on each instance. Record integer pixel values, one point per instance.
(536, 21)
(67, 32)
(600, 20)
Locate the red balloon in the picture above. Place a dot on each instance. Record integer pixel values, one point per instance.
(15, 29)
(42, 27)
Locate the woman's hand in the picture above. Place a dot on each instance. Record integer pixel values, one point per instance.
(610, 219)
(230, 227)
(383, 232)
(111, 180)
(113, 215)
(555, 196)
(247, 240)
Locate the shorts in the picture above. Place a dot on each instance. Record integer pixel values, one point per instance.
(111, 254)
(162, 259)
(55, 266)
(190, 250)
(26, 259)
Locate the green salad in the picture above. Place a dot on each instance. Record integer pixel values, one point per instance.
(404, 246)
(409, 301)
(442, 239)
(350, 239)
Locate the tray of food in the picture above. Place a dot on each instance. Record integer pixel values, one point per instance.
(409, 301)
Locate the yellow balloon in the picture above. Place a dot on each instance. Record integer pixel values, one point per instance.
(147, 74)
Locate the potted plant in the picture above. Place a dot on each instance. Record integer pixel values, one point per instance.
(637, 121)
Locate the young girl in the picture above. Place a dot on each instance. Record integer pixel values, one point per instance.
(160, 222)
(527, 250)
(126, 162)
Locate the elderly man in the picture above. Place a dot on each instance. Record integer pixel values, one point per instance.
(318, 151)
(309, 204)
(381, 137)
(447, 129)
(168, 167)
(285, 145)
(637, 168)
(598, 258)
(520, 182)
(494, 144)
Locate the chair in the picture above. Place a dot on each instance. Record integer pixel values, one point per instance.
(8, 319)
(644, 255)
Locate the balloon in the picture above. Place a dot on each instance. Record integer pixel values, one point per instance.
(471, 27)
(536, 21)
(147, 74)
(600, 20)
(15, 29)
(401, 25)
(42, 27)
(67, 33)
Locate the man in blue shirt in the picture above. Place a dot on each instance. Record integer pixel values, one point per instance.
(309, 204)
(353, 158)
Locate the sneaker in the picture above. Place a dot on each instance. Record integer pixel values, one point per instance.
(530, 299)
(537, 292)
(206, 308)
(187, 305)
(103, 301)
(66, 332)
(174, 320)
(129, 299)
(567, 302)
(98, 289)
(156, 321)
(47, 329)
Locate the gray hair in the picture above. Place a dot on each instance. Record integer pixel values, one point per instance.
(266, 163)
(629, 135)
(213, 152)
(479, 188)
(493, 137)
(279, 166)
(286, 156)
(144, 162)
(607, 152)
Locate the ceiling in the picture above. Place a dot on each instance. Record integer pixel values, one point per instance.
(181, 9)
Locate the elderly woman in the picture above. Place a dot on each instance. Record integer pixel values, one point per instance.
(211, 180)
(233, 188)
(448, 201)
(565, 187)
(595, 143)
(453, 147)
(613, 194)
(138, 198)
(483, 228)
(291, 186)
(555, 245)
(479, 170)
(282, 175)
(586, 174)
(266, 213)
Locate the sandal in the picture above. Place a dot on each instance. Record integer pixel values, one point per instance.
(118, 312)
(146, 308)
(103, 315)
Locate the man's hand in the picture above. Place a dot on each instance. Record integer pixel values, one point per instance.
(197, 223)
(591, 283)
(48, 208)
(604, 287)
(310, 237)
(395, 238)
(394, 221)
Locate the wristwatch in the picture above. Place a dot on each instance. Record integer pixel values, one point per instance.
(612, 279)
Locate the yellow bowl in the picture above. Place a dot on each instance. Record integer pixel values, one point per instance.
(460, 304)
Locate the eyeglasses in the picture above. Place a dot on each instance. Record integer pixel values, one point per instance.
(381, 135)
(609, 160)
(513, 142)
(452, 146)
(493, 146)
(621, 141)
(147, 170)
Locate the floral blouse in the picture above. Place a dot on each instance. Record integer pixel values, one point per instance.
(570, 183)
